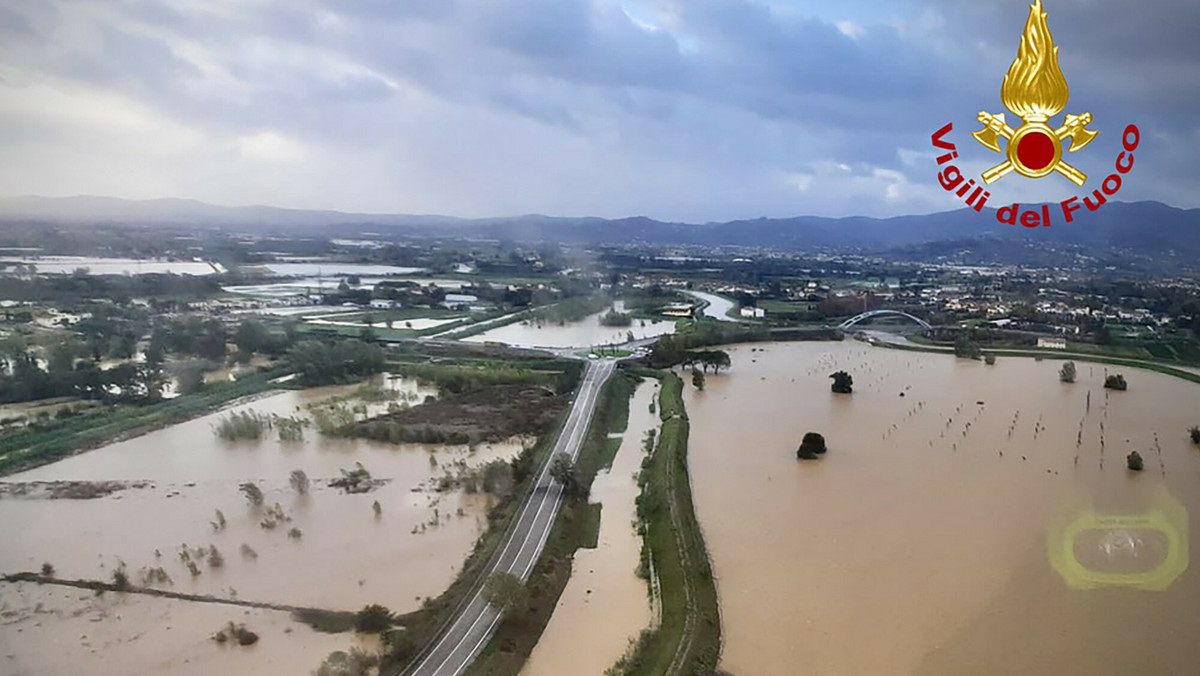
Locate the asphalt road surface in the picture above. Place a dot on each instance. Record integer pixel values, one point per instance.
(462, 639)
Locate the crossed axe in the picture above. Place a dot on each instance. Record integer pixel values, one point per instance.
(1074, 126)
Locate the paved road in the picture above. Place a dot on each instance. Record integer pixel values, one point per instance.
(465, 636)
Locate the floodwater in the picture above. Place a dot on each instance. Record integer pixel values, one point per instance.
(977, 524)
(314, 268)
(65, 265)
(59, 631)
(718, 306)
(314, 285)
(604, 605)
(587, 332)
(344, 559)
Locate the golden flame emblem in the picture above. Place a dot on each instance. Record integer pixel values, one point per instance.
(1035, 90)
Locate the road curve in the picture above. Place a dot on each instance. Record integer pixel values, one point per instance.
(461, 640)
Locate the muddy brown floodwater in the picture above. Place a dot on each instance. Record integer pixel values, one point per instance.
(984, 522)
(605, 605)
(345, 557)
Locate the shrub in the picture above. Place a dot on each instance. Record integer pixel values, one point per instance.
(299, 481)
(47, 569)
(843, 383)
(965, 348)
(356, 662)
(215, 560)
(1067, 373)
(294, 533)
(236, 632)
(253, 493)
(372, 619)
(505, 592)
(248, 552)
(811, 446)
(989, 359)
(120, 579)
(1194, 433)
(1115, 382)
(1134, 460)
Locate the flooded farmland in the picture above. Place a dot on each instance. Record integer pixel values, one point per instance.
(967, 518)
(342, 557)
(584, 333)
(605, 604)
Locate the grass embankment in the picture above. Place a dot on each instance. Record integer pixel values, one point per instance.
(576, 526)
(1060, 355)
(34, 446)
(688, 637)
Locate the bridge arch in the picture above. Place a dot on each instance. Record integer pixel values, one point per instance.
(876, 313)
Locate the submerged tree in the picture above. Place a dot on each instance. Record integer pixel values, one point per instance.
(697, 379)
(1134, 461)
(965, 348)
(1194, 433)
(1067, 372)
(989, 359)
(372, 619)
(843, 383)
(253, 493)
(299, 481)
(811, 446)
(1115, 382)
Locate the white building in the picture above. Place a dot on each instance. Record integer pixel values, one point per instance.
(1053, 343)
(752, 312)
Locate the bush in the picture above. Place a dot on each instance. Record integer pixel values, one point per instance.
(843, 383)
(253, 493)
(1116, 382)
(505, 592)
(1067, 373)
(47, 569)
(236, 632)
(965, 348)
(1194, 433)
(989, 359)
(356, 662)
(811, 446)
(299, 481)
(120, 579)
(372, 619)
(1134, 460)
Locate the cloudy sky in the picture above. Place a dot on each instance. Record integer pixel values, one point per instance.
(676, 109)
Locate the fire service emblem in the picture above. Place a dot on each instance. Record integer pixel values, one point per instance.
(1035, 90)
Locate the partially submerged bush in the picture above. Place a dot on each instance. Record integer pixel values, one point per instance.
(811, 446)
(1116, 382)
(843, 383)
(1067, 373)
(372, 619)
(236, 633)
(1134, 461)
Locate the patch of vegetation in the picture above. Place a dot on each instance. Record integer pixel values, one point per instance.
(843, 383)
(1116, 382)
(1134, 461)
(989, 359)
(253, 493)
(614, 318)
(241, 425)
(966, 348)
(357, 480)
(236, 633)
(322, 363)
(811, 446)
(688, 638)
(354, 662)
(373, 619)
(1067, 373)
(590, 535)
(1194, 434)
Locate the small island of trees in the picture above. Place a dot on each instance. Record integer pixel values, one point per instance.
(1067, 373)
(812, 446)
(843, 383)
(1116, 382)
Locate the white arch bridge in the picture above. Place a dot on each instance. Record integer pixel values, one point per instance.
(876, 313)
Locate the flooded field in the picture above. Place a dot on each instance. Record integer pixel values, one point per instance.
(586, 332)
(55, 631)
(313, 268)
(967, 518)
(605, 604)
(65, 265)
(343, 557)
(313, 285)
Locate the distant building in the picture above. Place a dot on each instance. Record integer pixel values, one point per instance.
(1053, 343)
(753, 312)
(677, 310)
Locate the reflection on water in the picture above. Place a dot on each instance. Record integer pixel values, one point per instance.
(918, 544)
